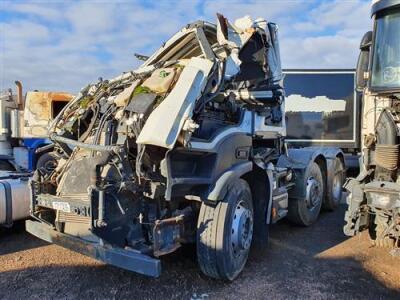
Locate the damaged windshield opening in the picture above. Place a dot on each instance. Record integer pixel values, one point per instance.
(186, 46)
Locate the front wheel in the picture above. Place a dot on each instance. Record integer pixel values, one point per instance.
(225, 232)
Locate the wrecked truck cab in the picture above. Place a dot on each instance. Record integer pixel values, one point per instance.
(160, 156)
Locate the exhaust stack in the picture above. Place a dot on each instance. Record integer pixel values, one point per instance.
(20, 101)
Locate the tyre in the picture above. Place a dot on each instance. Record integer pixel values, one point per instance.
(46, 163)
(335, 188)
(306, 211)
(225, 232)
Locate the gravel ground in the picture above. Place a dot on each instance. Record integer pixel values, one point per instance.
(313, 263)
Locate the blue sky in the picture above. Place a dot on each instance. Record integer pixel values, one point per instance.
(63, 45)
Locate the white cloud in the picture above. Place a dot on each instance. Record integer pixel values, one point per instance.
(307, 27)
(329, 37)
(34, 9)
(320, 52)
(343, 14)
(267, 9)
(24, 32)
(91, 18)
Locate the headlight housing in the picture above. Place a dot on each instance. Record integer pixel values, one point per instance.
(383, 199)
(383, 194)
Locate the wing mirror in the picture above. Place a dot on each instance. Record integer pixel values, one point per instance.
(362, 74)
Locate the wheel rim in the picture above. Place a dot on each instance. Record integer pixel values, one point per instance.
(48, 167)
(313, 193)
(242, 229)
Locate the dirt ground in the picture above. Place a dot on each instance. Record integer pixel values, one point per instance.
(313, 263)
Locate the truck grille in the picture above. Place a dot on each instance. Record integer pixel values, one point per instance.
(72, 218)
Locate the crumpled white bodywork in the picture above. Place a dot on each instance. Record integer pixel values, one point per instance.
(166, 121)
(188, 59)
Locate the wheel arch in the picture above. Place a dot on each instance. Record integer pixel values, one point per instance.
(301, 158)
(221, 185)
(32, 145)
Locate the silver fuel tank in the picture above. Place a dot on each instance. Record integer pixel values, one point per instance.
(14, 197)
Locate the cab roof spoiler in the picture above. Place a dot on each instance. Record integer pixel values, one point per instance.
(379, 5)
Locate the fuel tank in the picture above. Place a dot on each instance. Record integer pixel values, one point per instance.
(14, 198)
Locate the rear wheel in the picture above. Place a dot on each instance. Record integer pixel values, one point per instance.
(225, 232)
(335, 188)
(305, 211)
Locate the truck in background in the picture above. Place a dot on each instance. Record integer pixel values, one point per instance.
(23, 132)
(373, 201)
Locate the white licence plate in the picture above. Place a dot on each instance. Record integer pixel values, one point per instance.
(64, 206)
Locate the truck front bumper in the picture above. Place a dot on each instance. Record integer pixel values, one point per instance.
(125, 259)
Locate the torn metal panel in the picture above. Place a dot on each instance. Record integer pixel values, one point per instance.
(168, 118)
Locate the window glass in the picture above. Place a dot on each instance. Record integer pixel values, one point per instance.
(386, 55)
